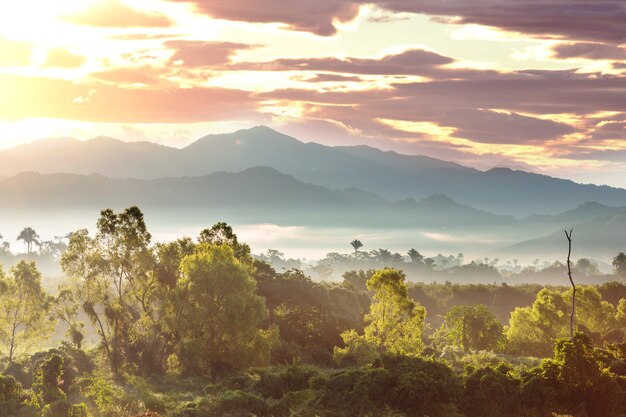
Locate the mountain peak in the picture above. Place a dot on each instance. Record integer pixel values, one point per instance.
(104, 139)
(438, 198)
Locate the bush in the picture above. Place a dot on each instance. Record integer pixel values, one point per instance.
(490, 393)
(239, 403)
(10, 395)
(79, 410)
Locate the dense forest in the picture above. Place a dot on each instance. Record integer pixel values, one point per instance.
(199, 327)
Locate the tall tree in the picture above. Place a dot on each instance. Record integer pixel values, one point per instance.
(118, 283)
(29, 236)
(572, 318)
(222, 234)
(356, 245)
(216, 313)
(395, 322)
(24, 310)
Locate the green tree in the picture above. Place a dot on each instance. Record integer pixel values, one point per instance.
(472, 327)
(620, 315)
(24, 310)
(216, 313)
(619, 265)
(222, 234)
(356, 245)
(66, 308)
(533, 330)
(395, 322)
(29, 236)
(118, 284)
(11, 395)
(591, 310)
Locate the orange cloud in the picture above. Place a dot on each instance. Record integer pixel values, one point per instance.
(140, 75)
(114, 14)
(200, 53)
(62, 58)
(25, 97)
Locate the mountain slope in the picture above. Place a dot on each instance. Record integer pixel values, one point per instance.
(388, 174)
(255, 195)
(601, 237)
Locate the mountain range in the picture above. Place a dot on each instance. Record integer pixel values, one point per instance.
(388, 174)
(259, 175)
(255, 195)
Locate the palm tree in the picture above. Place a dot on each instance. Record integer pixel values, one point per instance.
(356, 244)
(29, 236)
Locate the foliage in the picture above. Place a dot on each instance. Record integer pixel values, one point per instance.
(216, 314)
(24, 310)
(472, 327)
(533, 330)
(395, 323)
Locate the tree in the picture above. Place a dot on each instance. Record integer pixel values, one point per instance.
(358, 279)
(356, 244)
(216, 313)
(222, 234)
(587, 267)
(395, 322)
(619, 265)
(416, 257)
(572, 319)
(24, 308)
(472, 327)
(592, 311)
(620, 315)
(533, 330)
(119, 285)
(29, 236)
(4, 246)
(66, 308)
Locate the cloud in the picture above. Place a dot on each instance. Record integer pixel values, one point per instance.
(569, 19)
(114, 14)
(25, 97)
(201, 53)
(410, 62)
(326, 78)
(139, 75)
(14, 53)
(62, 58)
(309, 16)
(588, 50)
(502, 128)
(484, 111)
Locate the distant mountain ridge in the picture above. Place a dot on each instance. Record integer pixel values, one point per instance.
(255, 195)
(388, 174)
(601, 237)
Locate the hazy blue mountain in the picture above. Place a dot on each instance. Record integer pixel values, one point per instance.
(388, 174)
(255, 195)
(582, 213)
(601, 237)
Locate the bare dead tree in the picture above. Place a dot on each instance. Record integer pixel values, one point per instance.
(572, 320)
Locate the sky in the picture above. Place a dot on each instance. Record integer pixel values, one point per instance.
(538, 85)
